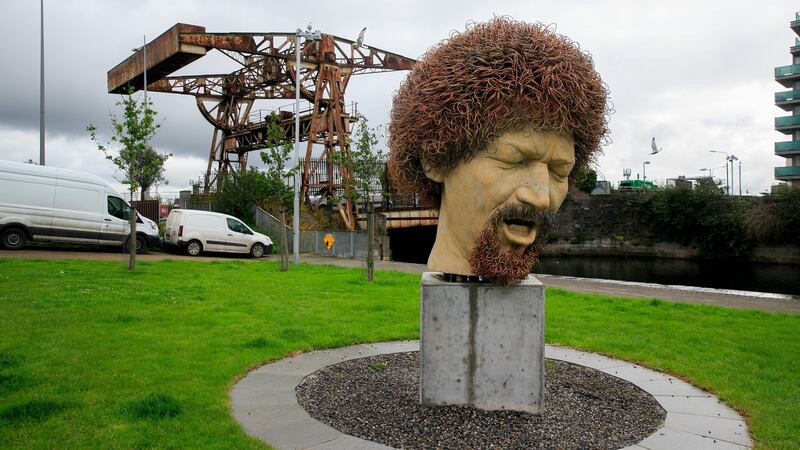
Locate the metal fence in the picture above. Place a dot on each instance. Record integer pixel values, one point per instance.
(148, 208)
(346, 244)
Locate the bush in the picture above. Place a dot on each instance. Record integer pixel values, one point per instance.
(239, 191)
(703, 217)
(777, 219)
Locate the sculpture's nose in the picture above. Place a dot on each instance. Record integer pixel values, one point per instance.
(535, 188)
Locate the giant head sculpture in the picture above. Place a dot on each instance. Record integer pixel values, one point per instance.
(490, 127)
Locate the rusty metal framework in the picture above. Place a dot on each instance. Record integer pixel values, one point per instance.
(267, 72)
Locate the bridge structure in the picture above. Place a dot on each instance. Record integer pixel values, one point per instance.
(266, 71)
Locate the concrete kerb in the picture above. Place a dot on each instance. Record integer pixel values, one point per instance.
(265, 404)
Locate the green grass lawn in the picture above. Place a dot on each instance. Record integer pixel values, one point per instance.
(92, 355)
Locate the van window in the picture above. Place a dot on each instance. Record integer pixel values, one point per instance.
(239, 227)
(118, 208)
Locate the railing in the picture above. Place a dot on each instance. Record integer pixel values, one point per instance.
(261, 115)
(787, 70)
(347, 244)
(787, 96)
(787, 172)
(788, 146)
(787, 121)
(148, 208)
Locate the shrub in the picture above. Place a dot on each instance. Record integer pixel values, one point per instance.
(703, 217)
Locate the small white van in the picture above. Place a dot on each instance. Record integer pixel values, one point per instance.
(44, 203)
(195, 232)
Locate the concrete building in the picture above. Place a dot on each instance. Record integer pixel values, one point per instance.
(789, 77)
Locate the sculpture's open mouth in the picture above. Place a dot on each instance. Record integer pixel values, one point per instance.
(519, 231)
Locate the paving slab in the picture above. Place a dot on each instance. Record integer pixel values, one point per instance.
(729, 430)
(265, 404)
(350, 443)
(667, 438)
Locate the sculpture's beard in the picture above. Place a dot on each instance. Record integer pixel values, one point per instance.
(508, 267)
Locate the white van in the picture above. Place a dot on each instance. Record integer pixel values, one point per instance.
(44, 203)
(195, 231)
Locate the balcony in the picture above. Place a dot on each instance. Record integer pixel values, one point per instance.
(787, 100)
(787, 173)
(787, 124)
(787, 148)
(787, 75)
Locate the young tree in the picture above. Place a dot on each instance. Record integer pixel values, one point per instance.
(137, 161)
(150, 170)
(276, 158)
(365, 166)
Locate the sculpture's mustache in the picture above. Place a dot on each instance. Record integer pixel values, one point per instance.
(524, 214)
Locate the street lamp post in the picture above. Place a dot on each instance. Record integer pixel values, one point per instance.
(731, 159)
(308, 34)
(41, 86)
(740, 178)
(727, 182)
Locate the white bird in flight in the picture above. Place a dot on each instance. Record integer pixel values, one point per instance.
(654, 147)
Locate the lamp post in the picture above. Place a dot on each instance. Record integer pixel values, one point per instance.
(710, 171)
(143, 48)
(731, 159)
(727, 182)
(41, 85)
(644, 174)
(308, 34)
(740, 178)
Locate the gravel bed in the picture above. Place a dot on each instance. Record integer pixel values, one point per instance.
(376, 398)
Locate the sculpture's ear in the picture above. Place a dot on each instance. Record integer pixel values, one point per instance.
(432, 173)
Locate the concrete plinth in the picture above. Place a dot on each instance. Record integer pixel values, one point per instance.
(482, 345)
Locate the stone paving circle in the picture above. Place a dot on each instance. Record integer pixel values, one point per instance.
(265, 404)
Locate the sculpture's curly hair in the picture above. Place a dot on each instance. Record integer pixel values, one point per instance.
(496, 76)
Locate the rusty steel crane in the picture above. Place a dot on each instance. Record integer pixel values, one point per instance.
(268, 72)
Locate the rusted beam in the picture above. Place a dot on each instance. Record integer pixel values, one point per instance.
(165, 55)
(222, 41)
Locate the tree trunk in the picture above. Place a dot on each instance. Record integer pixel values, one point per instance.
(370, 244)
(132, 241)
(284, 243)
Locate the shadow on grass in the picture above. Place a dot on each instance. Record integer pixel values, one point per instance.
(7, 360)
(153, 406)
(261, 342)
(37, 409)
(13, 382)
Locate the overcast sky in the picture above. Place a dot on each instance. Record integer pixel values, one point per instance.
(698, 76)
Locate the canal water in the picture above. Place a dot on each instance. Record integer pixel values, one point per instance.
(775, 278)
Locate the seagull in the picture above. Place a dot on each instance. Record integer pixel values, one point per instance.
(360, 40)
(654, 147)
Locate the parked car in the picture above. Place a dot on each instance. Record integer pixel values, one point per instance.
(43, 203)
(195, 232)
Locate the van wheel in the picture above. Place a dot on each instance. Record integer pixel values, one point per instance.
(194, 248)
(257, 250)
(141, 245)
(13, 239)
